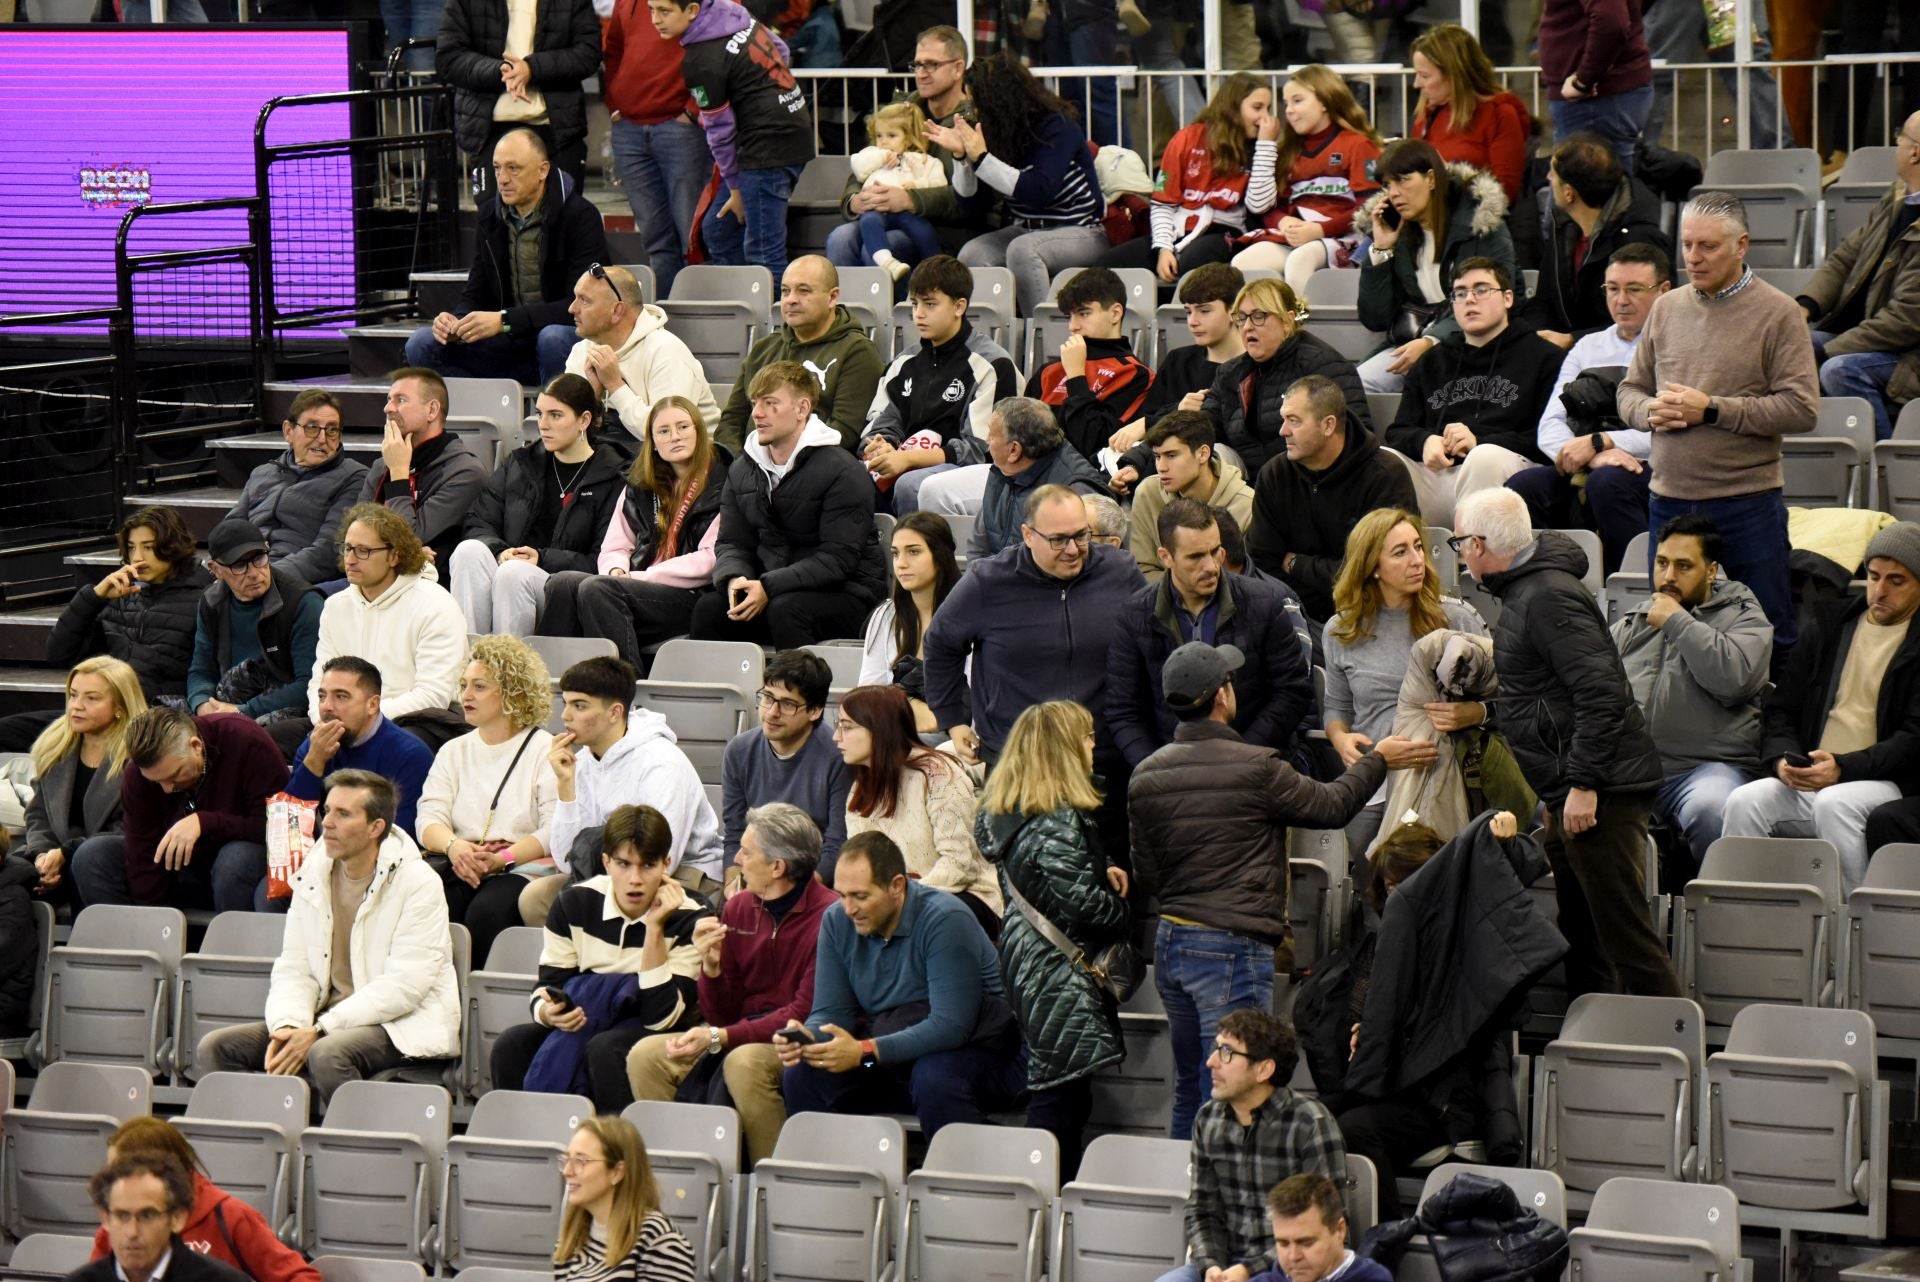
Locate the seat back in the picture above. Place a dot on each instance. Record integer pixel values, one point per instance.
(497, 998)
(1594, 580)
(706, 691)
(695, 1152)
(980, 1204)
(1881, 951)
(843, 661)
(1780, 189)
(1617, 1091)
(867, 292)
(561, 653)
(111, 986)
(1541, 1191)
(813, 209)
(1125, 1220)
(369, 1174)
(1382, 408)
(1657, 1231)
(1316, 904)
(53, 1145)
(1136, 1095)
(1861, 183)
(1757, 925)
(821, 1206)
(1361, 1193)
(1333, 305)
(225, 982)
(490, 410)
(1632, 583)
(501, 1195)
(347, 1268)
(246, 1128)
(1896, 467)
(51, 1253)
(1829, 467)
(718, 312)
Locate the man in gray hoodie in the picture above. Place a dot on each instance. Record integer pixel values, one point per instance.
(1696, 654)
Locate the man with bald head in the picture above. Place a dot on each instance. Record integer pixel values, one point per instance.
(532, 240)
(820, 333)
(628, 354)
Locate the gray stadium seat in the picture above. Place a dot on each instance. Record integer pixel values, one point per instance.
(1124, 1221)
(1655, 1231)
(1799, 1120)
(1361, 1193)
(1444, 558)
(1317, 862)
(1828, 468)
(490, 410)
(1333, 306)
(706, 691)
(1862, 181)
(43, 922)
(718, 312)
(1618, 1091)
(1632, 583)
(1781, 190)
(54, 1144)
(561, 653)
(51, 1253)
(821, 1207)
(867, 292)
(980, 1204)
(1896, 467)
(246, 1128)
(501, 1194)
(1880, 958)
(843, 661)
(1136, 1095)
(991, 311)
(347, 1268)
(225, 982)
(695, 1150)
(643, 277)
(1594, 580)
(1757, 925)
(497, 999)
(370, 1172)
(813, 210)
(1791, 281)
(111, 987)
(449, 1073)
(1541, 1191)
(1382, 408)
(1047, 328)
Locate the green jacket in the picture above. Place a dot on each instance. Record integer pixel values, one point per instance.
(1071, 1026)
(845, 361)
(1891, 276)
(1476, 228)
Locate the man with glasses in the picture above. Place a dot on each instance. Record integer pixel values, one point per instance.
(1252, 1134)
(530, 243)
(426, 474)
(1861, 301)
(789, 758)
(145, 1201)
(1599, 475)
(629, 355)
(255, 637)
(1471, 407)
(820, 333)
(297, 499)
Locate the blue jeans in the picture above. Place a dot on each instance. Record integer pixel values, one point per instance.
(876, 234)
(502, 356)
(663, 169)
(1753, 530)
(1618, 118)
(1204, 975)
(1677, 32)
(1083, 33)
(1863, 374)
(844, 247)
(1615, 507)
(228, 882)
(961, 1085)
(763, 238)
(408, 19)
(817, 42)
(1695, 804)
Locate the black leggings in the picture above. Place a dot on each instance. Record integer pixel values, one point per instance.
(485, 910)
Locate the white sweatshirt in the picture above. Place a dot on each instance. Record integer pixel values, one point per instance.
(413, 632)
(646, 767)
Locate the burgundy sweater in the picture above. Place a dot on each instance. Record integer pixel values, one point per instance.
(244, 768)
(1601, 41)
(766, 978)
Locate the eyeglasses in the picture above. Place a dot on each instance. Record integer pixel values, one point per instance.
(245, 564)
(1629, 291)
(568, 1163)
(1060, 542)
(1241, 319)
(330, 431)
(599, 273)
(354, 552)
(785, 707)
(1228, 1053)
(1465, 292)
(1459, 539)
(918, 67)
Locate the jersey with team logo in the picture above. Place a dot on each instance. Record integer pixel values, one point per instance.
(940, 398)
(1325, 184)
(752, 108)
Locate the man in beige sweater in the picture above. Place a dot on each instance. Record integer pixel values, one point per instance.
(1724, 369)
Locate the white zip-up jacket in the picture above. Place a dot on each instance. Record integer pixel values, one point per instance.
(403, 976)
(413, 632)
(646, 767)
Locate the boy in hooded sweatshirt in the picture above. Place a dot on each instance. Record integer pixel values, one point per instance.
(756, 119)
(1097, 383)
(797, 559)
(1470, 412)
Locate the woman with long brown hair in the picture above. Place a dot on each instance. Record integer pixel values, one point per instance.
(925, 569)
(1463, 112)
(657, 555)
(613, 1229)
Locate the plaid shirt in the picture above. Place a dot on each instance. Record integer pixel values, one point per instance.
(1235, 1166)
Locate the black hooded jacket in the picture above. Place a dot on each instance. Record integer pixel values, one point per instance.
(1499, 390)
(1575, 301)
(1244, 402)
(566, 53)
(504, 512)
(573, 237)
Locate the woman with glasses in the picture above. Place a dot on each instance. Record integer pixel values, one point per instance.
(924, 571)
(542, 511)
(920, 797)
(1037, 825)
(1431, 217)
(298, 499)
(1245, 400)
(489, 798)
(613, 1229)
(656, 555)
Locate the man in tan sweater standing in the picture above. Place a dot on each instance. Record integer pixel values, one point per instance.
(1724, 369)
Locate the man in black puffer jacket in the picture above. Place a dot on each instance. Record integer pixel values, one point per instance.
(1569, 715)
(1593, 209)
(475, 56)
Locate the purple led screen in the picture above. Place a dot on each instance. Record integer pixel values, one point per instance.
(103, 119)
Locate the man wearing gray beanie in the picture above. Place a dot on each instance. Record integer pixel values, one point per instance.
(1842, 731)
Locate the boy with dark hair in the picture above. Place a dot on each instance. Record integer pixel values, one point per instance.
(1597, 208)
(1185, 372)
(787, 757)
(1186, 465)
(1096, 383)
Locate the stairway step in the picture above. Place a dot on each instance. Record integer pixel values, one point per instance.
(32, 690)
(23, 633)
(363, 401)
(202, 507)
(236, 456)
(374, 351)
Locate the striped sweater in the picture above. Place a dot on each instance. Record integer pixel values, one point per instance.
(1055, 186)
(586, 932)
(660, 1254)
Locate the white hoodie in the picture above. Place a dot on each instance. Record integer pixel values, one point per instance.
(654, 363)
(402, 954)
(814, 433)
(413, 632)
(645, 768)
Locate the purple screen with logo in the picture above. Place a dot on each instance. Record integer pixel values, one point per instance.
(102, 119)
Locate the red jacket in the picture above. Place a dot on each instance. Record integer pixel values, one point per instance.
(1187, 179)
(244, 768)
(1496, 141)
(248, 1244)
(642, 80)
(766, 978)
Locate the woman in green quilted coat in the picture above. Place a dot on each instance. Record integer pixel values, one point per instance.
(1036, 824)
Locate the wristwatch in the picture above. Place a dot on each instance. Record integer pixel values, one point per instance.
(1711, 414)
(869, 1054)
(713, 1041)
(1599, 442)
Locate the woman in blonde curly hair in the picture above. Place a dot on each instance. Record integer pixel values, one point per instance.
(489, 798)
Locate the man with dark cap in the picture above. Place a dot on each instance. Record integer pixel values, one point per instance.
(1209, 815)
(1841, 734)
(254, 640)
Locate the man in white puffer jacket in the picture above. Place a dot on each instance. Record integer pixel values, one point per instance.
(365, 980)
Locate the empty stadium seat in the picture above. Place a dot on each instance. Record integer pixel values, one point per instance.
(1632, 583)
(843, 661)
(1781, 191)
(1853, 193)
(1654, 1231)
(813, 208)
(1135, 1096)
(1757, 925)
(706, 690)
(695, 1152)
(718, 312)
(821, 1207)
(1124, 1220)
(54, 1144)
(1896, 467)
(110, 993)
(51, 1253)
(347, 1268)
(501, 1194)
(1828, 468)
(497, 999)
(246, 1128)
(1444, 558)
(979, 1206)
(225, 982)
(561, 653)
(867, 292)
(1333, 305)
(370, 1172)
(1880, 956)
(490, 411)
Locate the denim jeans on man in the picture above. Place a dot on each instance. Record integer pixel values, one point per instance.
(762, 237)
(662, 168)
(1616, 117)
(226, 883)
(502, 356)
(1677, 32)
(1204, 975)
(1862, 374)
(1753, 530)
(1694, 804)
(412, 20)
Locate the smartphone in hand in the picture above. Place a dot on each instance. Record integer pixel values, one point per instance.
(1798, 760)
(559, 995)
(794, 1036)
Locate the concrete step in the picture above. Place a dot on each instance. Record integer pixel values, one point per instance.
(363, 401)
(439, 291)
(202, 507)
(236, 456)
(32, 690)
(374, 351)
(23, 633)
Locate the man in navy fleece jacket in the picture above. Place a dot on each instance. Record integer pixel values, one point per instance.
(352, 735)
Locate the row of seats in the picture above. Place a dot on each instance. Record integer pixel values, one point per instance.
(55, 1255)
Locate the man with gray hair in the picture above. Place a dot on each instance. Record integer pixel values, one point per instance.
(756, 974)
(1569, 715)
(1108, 521)
(1026, 445)
(1723, 370)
